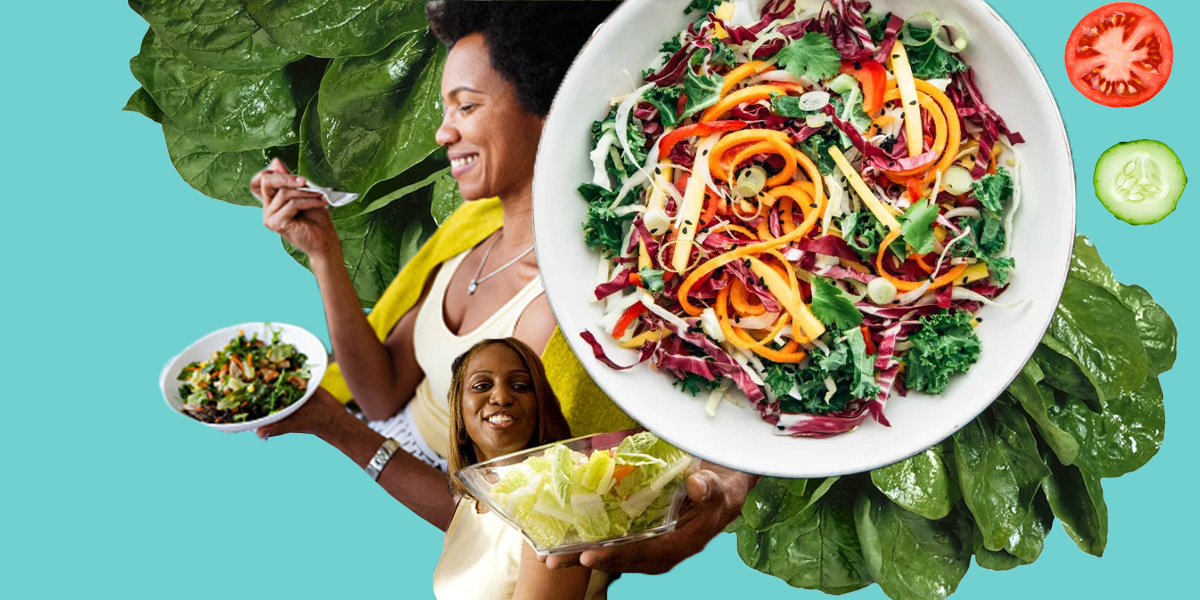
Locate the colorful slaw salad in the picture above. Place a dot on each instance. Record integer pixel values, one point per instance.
(802, 209)
(246, 380)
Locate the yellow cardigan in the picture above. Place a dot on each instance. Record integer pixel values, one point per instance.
(587, 409)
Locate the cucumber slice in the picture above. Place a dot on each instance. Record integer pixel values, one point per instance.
(1139, 182)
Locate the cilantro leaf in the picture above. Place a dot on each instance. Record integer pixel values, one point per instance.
(916, 225)
(702, 92)
(665, 99)
(652, 279)
(862, 232)
(812, 56)
(929, 61)
(832, 307)
(945, 344)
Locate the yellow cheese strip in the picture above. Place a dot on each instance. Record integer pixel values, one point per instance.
(908, 97)
(878, 209)
(693, 203)
(724, 11)
(643, 256)
(789, 297)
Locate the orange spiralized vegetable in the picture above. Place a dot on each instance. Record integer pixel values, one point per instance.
(907, 286)
(753, 93)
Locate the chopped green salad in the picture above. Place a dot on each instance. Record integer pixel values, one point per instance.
(247, 379)
(563, 496)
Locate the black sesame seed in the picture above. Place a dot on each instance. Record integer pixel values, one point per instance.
(812, 205)
(857, 65)
(895, 302)
(912, 102)
(965, 280)
(895, 56)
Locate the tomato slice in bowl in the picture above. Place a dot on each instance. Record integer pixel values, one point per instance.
(1119, 54)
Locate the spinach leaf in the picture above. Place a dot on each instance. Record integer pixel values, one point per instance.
(1061, 373)
(775, 500)
(362, 136)
(141, 102)
(219, 34)
(1155, 326)
(337, 29)
(1120, 439)
(446, 198)
(814, 548)
(999, 471)
(1077, 499)
(1037, 405)
(920, 483)
(911, 557)
(224, 175)
(221, 111)
(1095, 330)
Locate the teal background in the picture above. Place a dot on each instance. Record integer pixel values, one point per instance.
(112, 264)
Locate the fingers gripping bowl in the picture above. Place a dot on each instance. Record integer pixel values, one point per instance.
(1039, 241)
(267, 371)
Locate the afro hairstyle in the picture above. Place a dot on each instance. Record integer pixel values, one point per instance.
(531, 44)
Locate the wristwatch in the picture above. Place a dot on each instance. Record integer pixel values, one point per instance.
(381, 458)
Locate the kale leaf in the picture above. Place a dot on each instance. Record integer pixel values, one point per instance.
(945, 344)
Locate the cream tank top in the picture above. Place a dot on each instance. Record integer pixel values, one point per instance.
(481, 559)
(437, 347)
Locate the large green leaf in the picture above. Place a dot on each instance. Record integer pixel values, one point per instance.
(224, 175)
(378, 114)
(219, 34)
(1157, 330)
(340, 28)
(1077, 499)
(816, 548)
(141, 102)
(446, 198)
(1094, 329)
(911, 557)
(999, 471)
(776, 500)
(920, 483)
(1061, 373)
(1028, 393)
(219, 110)
(1120, 439)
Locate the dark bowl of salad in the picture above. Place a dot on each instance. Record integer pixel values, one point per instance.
(243, 377)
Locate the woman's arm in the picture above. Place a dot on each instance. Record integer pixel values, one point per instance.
(415, 484)
(536, 581)
(382, 376)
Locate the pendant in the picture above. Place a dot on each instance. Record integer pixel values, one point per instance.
(471, 288)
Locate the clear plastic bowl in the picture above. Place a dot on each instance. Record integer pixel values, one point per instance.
(480, 478)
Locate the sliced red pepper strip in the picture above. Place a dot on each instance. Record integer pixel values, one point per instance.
(867, 339)
(872, 77)
(627, 317)
(695, 130)
(636, 279)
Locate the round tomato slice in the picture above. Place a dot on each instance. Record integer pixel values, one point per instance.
(1119, 54)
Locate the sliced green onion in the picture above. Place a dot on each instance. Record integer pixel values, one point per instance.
(881, 291)
(842, 83)
(816, 120)
(933, 25)
(957, 180)
(751, 181)
(960, 37)
(813, 100)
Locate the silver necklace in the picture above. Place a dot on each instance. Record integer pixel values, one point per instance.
(476, 280)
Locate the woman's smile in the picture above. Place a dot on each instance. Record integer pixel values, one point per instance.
(461, 163)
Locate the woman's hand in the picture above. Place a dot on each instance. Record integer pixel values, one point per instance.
(715, 498)
(299, 216)
(319, 416)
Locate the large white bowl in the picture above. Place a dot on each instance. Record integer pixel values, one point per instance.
(1043, 233)
(305, 342)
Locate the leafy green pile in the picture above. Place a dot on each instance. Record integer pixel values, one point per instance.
(347, 91)
(563, 497)
(1087, 406)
